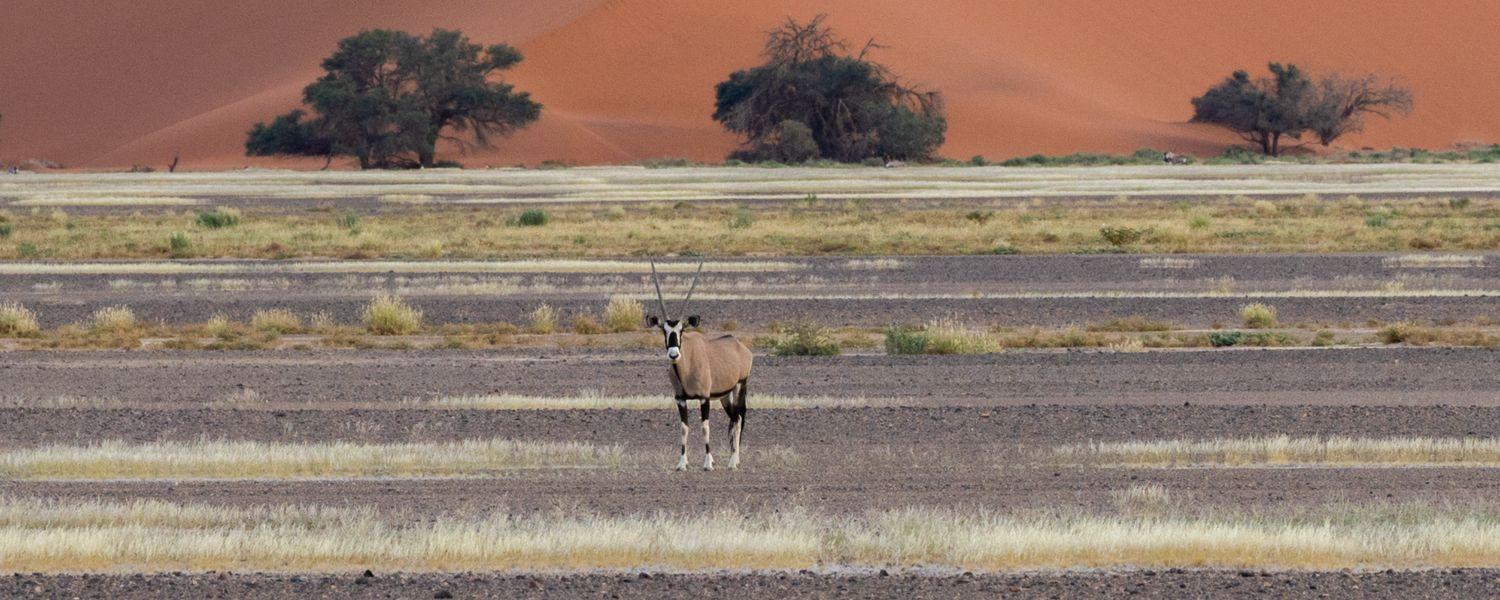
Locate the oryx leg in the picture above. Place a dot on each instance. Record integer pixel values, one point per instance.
(708, 450)
(682, 413)
(734, 409)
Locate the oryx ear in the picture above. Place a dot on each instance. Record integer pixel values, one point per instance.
(652, 321)
(693, 320)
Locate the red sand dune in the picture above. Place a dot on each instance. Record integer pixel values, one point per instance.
(110, 84)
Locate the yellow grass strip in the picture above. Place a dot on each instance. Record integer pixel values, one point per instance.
(154, 536)
(384, 266)
(105, 201)
(1289, 451)
(599, 401)
(257, 460)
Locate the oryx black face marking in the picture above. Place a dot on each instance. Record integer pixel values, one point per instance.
(705, 369)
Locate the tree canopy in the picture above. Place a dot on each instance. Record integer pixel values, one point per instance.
(387, 97)
(811, 92)
(1289, 103)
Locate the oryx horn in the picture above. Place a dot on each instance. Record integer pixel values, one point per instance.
(659, 300)
(688, 301)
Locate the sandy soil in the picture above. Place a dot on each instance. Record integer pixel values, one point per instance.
(1174, 583)
(1075, 77)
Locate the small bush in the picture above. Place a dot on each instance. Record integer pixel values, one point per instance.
(1402, 332)
(1323, 338)
(348, 220)
(5, 230)
(742, 219)
(17, 321)
(533, 218)
(1458, 203)
(1004, 250)
(1120, 236)
(27, 250)
(805, 339)
(276, 320)
(980, 216)
(219, 218)
(178, 245)
(1258, 316)
(389, 315)
(543, 319)
(1223, 339)
(978, 160)
(624, 314)
(906, 340)
(113, 319)
(586, 325)
(944, 336)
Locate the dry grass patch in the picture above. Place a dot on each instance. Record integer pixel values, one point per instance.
(940, 336)
(543, 320)
(390, 315)
(154, 536)
(257, 460)
(113, 320)
(1290, 451)
(1434, 261)
(1258, 316)
(17, 321)
(105, 201)
(276, 320)
(624, 314)
(1417, 335)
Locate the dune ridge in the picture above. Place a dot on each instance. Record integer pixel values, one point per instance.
(103, 85)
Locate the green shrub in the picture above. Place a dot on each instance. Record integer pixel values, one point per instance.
(1323, 338)
(4, 230)
(27, 250)
(389, 315)
(1004, 249)
(1258, 316)
(219, 218)
(1223, 339)
(624, 314)
(178, 245)
(533, 218)
(805, 339)
(978, 160)
(906, 340)
(742, 219)
(17, 321)
(348, 220)
(1120, 236)
(980, 216)
(1458, 203)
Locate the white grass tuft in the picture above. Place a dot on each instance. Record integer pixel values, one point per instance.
(1289, 451)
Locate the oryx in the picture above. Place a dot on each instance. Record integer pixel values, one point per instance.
(704, 368)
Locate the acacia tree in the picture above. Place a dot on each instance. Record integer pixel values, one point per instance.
(1343, 103)
(387, 97)
(852, 107)
(1288, 103)
(1260, 110)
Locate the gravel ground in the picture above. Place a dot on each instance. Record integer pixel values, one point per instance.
(1174, 583)
(1334, 376)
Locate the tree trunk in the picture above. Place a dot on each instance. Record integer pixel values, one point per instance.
(1276, 144)
(427, 154)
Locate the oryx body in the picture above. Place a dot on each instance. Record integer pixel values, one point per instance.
(704, 368)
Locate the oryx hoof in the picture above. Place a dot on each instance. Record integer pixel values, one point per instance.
(682, 464)
(734, 462)
(708, 464)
